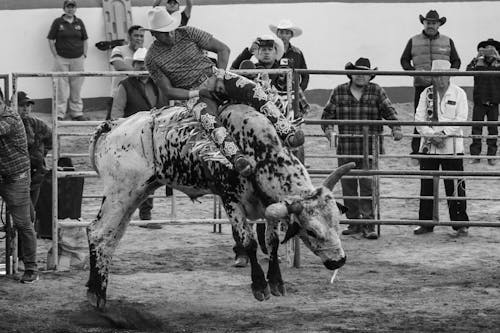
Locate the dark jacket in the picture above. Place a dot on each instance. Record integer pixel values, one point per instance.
(486, 88)
(137, 99)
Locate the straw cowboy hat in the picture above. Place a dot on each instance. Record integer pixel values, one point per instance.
(286, 25)
(273, 41)
(490, 41)
(362, 64)
(160, 20)
(433, 15)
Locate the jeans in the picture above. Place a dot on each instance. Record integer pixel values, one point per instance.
(69, 87)
(478, 114)
(17, 197)
(453, 187)
(357, 208)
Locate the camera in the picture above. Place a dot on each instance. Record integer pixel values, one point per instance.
(284, 63)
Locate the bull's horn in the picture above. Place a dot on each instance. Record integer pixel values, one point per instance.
(334, 177)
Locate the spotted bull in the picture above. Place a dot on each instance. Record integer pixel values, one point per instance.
(139, 154)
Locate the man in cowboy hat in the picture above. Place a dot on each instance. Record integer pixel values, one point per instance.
(486, 96)
(358, 99)
(442, 102)
(180, 68)
(293, 56)
(421, 50)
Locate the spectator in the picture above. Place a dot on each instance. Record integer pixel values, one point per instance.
(421, 50)
(268, 51)
(293, 57)
(358, 99)
(172, 6)
(68, 44)
(449, 104)
(182, 71)
(486, 96)
(15, 185)
(39, 139)
(121, 57)
(136, 94)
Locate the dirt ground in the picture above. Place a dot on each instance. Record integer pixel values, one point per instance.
(180, 279)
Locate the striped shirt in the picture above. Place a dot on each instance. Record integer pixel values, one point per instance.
(373, 105)
(13, 144)
(183, 63)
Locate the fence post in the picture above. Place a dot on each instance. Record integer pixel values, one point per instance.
(376, 179)
(435, 205)
(55, 190)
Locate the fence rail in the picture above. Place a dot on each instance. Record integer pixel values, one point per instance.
(290, 74)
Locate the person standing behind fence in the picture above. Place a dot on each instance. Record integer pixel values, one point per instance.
(358, 99)
(449, 104)
(121, 58)
(68, 44)
(39, 138)
(486, 96)
(421, 50)
(173, 6)
(293, 56)
(15, 185)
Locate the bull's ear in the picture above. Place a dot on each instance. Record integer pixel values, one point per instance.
(293, 229)
(343, 209)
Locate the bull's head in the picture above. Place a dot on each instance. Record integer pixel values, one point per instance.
(316, 220)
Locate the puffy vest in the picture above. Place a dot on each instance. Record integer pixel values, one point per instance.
(424, 50)
(136, 97)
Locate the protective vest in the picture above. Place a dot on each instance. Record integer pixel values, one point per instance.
(136, 97)
(424, 50)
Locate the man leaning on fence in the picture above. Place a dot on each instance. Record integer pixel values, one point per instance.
(486, 96)
(15, 185)
(443, 101)
(358, 99)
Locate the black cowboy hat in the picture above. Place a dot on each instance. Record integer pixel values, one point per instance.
(489, 41)
(433, 15)
(362, 64)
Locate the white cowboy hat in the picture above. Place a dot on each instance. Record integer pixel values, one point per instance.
(160, 20)
(277, 43)
(286, 25)
(140, 54)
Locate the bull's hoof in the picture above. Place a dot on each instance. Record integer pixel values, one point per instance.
(277, 288)
(96, 301)
(261, 294)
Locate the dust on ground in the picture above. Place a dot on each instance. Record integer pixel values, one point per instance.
(180, 278)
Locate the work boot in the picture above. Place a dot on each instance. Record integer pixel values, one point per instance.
(29, 276)
(423, 230)
(352, 230)
(475, 161)
(492, 161)
(369, 232)
(462, 231)
(295, 139)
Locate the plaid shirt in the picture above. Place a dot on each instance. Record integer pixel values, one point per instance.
(13, 144)
(373, 105)
(39, 138)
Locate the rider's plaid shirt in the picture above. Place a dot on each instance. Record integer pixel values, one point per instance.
(373, 105)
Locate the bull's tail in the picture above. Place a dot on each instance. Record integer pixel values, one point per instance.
(105, 127)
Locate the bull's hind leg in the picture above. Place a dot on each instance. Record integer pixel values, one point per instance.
(104, 233)
(244, 232)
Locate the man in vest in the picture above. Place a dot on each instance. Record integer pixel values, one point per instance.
(136, 94)
(419, 53)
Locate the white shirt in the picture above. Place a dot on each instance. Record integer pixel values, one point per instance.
(124, 53)
(452, 107)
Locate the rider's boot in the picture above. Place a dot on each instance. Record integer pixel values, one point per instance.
(230, 150)
(291, 136)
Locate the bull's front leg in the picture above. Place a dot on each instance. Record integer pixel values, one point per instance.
(274, 273)
(244, 232)
(104, 234)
